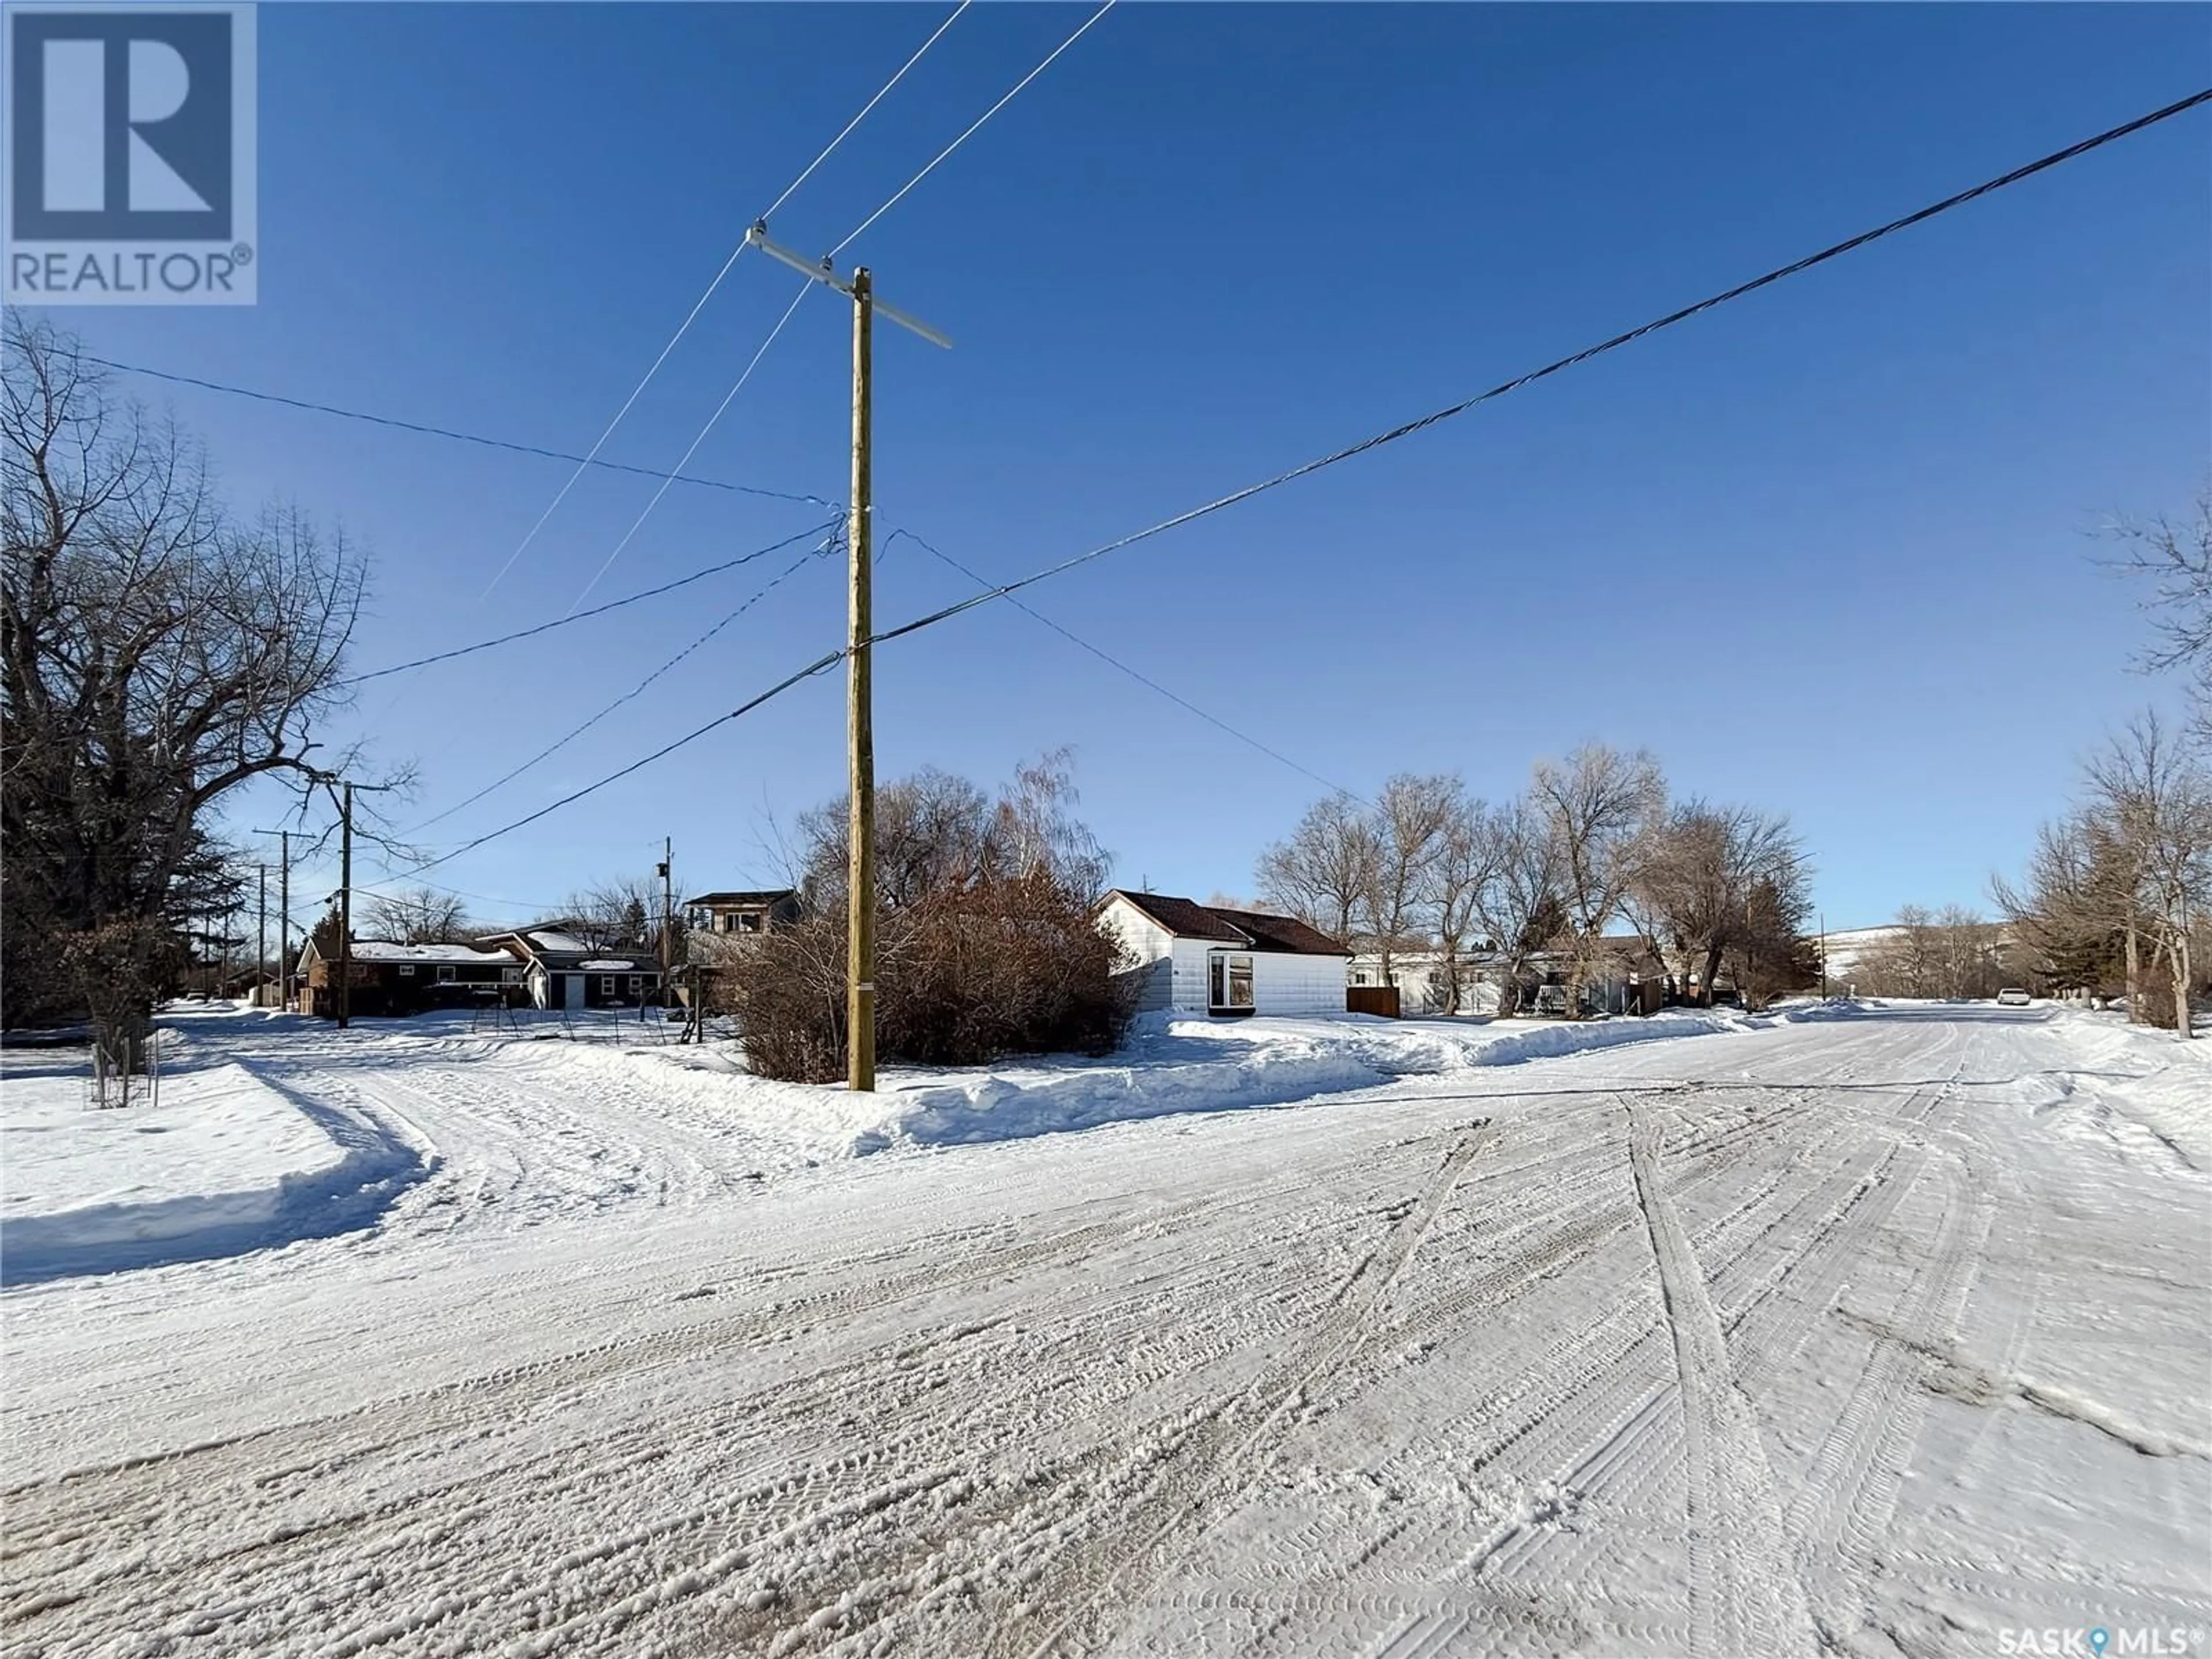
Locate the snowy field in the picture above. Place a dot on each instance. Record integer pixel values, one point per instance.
(1883, 1333)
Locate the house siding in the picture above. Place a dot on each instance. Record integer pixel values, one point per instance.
(1174, 972)
(1297, 984)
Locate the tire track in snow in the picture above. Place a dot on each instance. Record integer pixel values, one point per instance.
(1744, 1597)
(1222, 1455)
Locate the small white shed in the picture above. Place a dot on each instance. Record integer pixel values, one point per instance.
(1203, 959)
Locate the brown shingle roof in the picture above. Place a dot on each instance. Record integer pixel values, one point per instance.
(1285, 933)
(1184, 918)
(1255, 930)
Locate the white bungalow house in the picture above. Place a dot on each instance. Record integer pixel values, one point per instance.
(562, 971)
(1200, 959)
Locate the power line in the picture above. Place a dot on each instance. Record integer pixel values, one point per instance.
(562, 742)
(700, 304)
(820, 664)
(901, 194)
(830, 659)
(423, 429)
(1582, 356)
(530, 906)
(596, 610)
(728, 398)
(1144, 680)
(792, 187)
(807, 287)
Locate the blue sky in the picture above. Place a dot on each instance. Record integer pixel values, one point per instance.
(1823, 550)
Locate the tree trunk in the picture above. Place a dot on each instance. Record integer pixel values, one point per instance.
(1576, 973)
(2134, 969)
(2177, 957)
(125, 1043)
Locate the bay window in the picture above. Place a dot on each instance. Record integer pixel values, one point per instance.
(1229, 983)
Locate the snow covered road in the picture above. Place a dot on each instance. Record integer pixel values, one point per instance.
(1877, 1335)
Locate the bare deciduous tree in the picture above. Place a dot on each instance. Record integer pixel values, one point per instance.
(1521, 911)
(1324, 872)
(2152, 799)
(1594, 805)
(936, 833)
(622, 913)
(2175, 560)
(1410, 826)
(986, 944)
(155, 653)
(1696, 875)
(1471, 861)
(1952, 953)
(417, 916)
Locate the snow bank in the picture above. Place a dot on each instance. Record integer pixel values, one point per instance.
(1173, 1065)
(2148, 1076)
(225, 1162)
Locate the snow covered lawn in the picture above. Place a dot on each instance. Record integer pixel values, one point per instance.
(219, 1162)
(1867, 1332)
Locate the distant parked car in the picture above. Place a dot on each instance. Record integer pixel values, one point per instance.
(2014, 997)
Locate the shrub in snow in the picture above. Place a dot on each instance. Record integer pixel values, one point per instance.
(997, 966)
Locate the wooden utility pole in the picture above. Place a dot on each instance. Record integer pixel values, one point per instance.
(667, 919)
(860, 722)
(283, 911)
(345, 911)
(261, 943)
(860, 726)
(284, 920)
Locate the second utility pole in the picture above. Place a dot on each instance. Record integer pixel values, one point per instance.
(859, 725)
(346, 912)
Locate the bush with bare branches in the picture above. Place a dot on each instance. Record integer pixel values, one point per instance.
(985, 941)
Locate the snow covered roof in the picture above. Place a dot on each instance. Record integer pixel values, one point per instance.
(610, 966)
(548, 938)
(379, 949)
(736, 901)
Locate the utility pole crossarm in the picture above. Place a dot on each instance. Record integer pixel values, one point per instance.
(822, 271)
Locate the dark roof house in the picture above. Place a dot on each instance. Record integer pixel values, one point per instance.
(1210, 959)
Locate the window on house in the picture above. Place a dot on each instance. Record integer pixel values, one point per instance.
(637, 983)
(445, 976)
(1230, 983)
(748, 922)
(607, 984)
(510, 975)
(406, 970)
